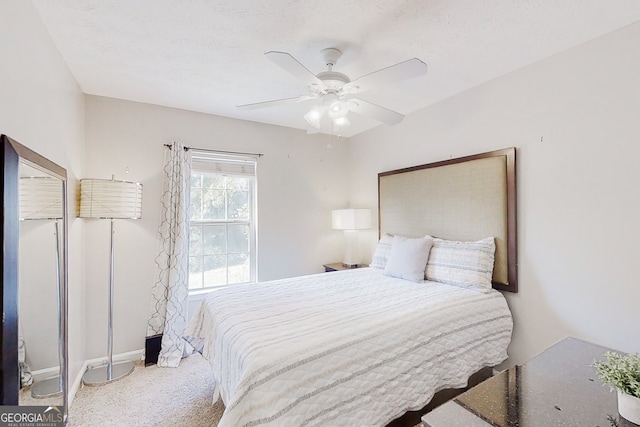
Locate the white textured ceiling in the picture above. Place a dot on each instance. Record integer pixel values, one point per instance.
(207, 55)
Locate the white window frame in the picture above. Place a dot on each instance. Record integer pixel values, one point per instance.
(229, 165)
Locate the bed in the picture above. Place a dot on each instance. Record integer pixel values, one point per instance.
(362, 347)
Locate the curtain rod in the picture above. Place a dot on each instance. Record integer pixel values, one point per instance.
(169, 146)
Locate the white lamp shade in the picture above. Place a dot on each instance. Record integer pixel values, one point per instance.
(340, 123)
(104, 198)
(351, 219)
(40, 198)
(314, 116)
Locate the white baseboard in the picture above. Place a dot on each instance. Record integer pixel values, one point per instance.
(92, 363)
(43, 374)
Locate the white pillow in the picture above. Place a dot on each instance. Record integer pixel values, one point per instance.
(408, 258)
(465, 264)
(383, 249)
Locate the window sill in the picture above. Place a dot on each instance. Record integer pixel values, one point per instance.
(200, 294)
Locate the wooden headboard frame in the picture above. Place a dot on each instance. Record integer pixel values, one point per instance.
(468, 198)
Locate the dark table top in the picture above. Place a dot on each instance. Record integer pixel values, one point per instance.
(559, 387)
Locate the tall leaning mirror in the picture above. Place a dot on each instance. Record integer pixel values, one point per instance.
(34, 279)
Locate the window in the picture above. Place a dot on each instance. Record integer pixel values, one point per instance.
(222, 242)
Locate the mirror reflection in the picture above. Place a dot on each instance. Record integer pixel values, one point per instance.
(40, 346)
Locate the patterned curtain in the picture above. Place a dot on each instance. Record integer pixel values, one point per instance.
(169, 295)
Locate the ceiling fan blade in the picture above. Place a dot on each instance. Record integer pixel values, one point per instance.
(290, 64)
(394, 73)
(374, 111)
(274, 103)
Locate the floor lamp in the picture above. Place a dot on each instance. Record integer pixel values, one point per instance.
(109, 199)
(350, 220)
(41, 199)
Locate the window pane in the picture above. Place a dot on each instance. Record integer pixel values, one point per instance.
(214, 181)
(195, 240)
(239, 267)
(215, 270)
(238, 183)
(214, 202)
(219, 248)
(238, 240)
(196, 180)
(195, 272)
(238, 204)
(215, 239)
(195, 208)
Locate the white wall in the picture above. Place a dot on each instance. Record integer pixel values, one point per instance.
(42, 107)
(300, 180)
(574, 119)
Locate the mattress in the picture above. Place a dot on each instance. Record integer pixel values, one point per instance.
(343, 348)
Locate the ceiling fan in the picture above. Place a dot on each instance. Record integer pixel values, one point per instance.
(337, 93)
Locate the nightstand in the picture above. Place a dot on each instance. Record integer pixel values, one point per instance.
(559, 387)
(337, 266)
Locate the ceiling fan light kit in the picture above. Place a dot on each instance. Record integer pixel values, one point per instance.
(336, 91)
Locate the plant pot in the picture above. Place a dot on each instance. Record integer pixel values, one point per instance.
(629, 407)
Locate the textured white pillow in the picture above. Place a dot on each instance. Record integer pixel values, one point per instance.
(408, 258)
(465, 264)
(383, 249)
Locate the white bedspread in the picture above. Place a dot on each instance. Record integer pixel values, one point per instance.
(348, 348)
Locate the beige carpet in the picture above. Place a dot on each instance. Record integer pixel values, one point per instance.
(151, 397)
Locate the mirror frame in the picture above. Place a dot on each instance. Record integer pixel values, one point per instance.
(15, 153)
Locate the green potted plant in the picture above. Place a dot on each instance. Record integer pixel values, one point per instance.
(622, 373)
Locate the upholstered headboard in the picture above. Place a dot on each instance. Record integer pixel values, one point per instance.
(467, 198)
